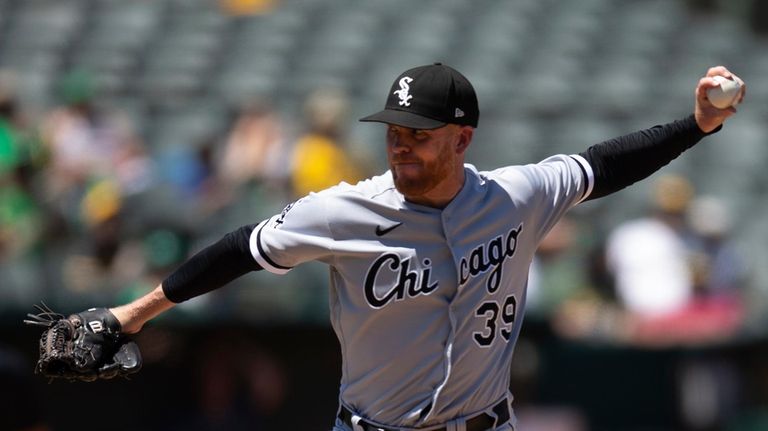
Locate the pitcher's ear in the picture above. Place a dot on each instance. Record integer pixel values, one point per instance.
(465, 138)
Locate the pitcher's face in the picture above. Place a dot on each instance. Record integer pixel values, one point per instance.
(427, 164)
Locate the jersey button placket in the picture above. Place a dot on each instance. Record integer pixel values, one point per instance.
(449, 342)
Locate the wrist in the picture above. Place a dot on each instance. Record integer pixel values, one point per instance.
(129, 324)
(133, 316)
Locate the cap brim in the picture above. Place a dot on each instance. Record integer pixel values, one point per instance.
(405, 119)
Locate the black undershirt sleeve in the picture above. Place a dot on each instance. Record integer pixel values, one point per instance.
(620, 162)
(213, 267)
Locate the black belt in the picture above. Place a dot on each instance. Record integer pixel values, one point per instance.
(481, 422)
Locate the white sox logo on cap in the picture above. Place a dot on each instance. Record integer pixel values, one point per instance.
(402, 93)
(442, 96)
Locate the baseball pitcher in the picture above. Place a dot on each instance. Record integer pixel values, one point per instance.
(429, 261)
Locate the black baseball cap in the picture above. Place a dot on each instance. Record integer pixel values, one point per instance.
(428, 97)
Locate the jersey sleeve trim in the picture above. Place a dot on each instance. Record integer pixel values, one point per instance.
(589, 175)
(258, 252)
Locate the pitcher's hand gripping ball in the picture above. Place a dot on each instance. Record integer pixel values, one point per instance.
(726, 94)
(83, 347)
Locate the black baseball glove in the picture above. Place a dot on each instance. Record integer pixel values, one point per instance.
(85, 346)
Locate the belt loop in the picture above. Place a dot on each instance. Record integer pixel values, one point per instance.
(356, 423)
(456, 425)
(501, 412)
(495, 417)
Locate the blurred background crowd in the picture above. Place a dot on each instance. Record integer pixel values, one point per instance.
(135, 132)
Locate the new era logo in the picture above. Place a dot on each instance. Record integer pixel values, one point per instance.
(459, 113)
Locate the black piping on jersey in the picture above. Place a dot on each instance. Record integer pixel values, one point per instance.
(264, 254)
(620, 162)
(213, 267)
(586, 178)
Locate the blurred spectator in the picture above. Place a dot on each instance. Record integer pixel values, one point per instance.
(189, 170)
(321, 157)
(719, 268)
(9, 119)
(95, 162)
(247, 7)
(557, 271)
(255, 150)
(648, 257)
(87, 143)
(22, 219)
(20, 216)
(676, 275)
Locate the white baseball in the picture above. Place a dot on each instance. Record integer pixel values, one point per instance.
(726, 94)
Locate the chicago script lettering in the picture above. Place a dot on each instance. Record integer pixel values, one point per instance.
(489, 256)
(412, 283)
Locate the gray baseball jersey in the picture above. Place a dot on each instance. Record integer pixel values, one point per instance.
(427, 303)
